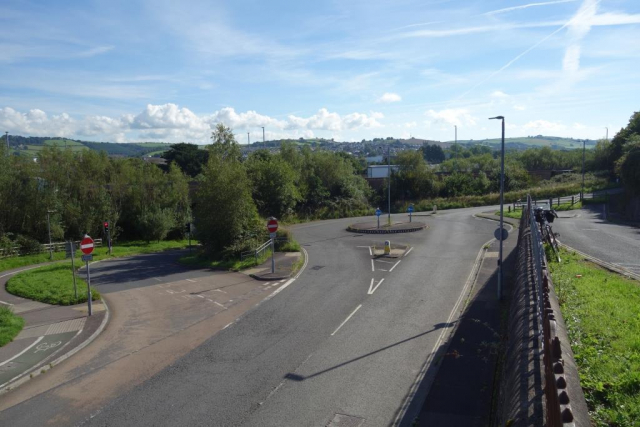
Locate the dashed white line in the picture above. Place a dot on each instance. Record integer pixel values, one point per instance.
(220, 290)
(410, 249)
(155, 278)
(191, 280)
(370, 251)
(373, 268)
(394, 266)
(347, 319)
(216, 302)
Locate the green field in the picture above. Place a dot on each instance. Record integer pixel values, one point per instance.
(538, 141)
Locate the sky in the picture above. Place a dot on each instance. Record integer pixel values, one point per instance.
(161, 70)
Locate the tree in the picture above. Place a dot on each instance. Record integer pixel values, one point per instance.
(273, 182)
(433, 153)
(226, 215)
(627, 166)
(189, 157)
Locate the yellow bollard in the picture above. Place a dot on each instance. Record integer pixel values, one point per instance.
(387, 247)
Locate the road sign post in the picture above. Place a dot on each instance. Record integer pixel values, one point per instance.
(71, 253)
(108, 235)
(272, 226)
(86, 246)
(378, 213)
(410, 211)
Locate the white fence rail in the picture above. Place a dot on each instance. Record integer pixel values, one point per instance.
(55, 246)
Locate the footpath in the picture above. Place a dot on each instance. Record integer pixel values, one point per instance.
(285, 262)
(465, 386)
(51, 334)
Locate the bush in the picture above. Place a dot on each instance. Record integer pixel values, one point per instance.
(28, 245)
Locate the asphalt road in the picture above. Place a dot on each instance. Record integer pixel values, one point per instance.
(344, 344)
(588, 232)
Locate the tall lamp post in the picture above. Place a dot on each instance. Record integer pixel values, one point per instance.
(607, 137)
(264, 144)
(456, 127)
(500, 275)
(7, 135)
(584, 146)
(389, 186)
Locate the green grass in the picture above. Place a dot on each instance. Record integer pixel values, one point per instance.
(199, 260)
(119, 250)
(10, 325)
(52, 284)
(600, 309)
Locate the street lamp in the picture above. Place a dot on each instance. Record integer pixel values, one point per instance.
(584, 146)
(248, 139)
(264, 144)
(456, 126)
(389, 186)
(500, 275)
(49, 229)
(7, 135)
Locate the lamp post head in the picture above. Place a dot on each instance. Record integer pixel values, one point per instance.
(496, 118)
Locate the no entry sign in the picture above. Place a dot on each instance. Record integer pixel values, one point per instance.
(86, 245)
(272, 225)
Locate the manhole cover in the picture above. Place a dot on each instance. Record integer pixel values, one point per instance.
(341, 420)
(317, 267)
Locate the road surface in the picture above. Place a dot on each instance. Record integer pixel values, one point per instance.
(347, 343)
(587, 231)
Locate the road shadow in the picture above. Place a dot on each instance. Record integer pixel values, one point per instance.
(459, 388)
(295, 377)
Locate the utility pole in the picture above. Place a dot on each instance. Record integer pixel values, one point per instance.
(248, 139)
(264, 144)
(456, 126)
(49, 229)
(584, 145)
(607, 137)
(500, 272)
(7, 135)
(389, 186)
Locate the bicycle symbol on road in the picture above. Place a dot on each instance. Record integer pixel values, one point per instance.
(46, 346)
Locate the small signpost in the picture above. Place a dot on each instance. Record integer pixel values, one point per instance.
(378, 213)
(501, 236)
(108, 234)
(410, 210)
(70, 252)
(272, 226)
(86, 246)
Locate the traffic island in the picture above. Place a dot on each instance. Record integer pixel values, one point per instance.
(286, 265)
(395, 251)
(395, 227)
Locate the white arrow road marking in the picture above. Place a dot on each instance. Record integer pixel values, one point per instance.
(373, 289)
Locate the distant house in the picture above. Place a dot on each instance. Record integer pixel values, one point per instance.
(380, 171)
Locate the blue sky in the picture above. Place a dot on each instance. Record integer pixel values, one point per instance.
(350, 70)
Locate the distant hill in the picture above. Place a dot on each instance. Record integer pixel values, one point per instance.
(525, 142)
(30, 146)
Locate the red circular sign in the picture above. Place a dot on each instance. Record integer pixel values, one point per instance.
(86, 245)
(272, 225)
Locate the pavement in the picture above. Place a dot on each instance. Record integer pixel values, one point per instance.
(350, 342)
(588, 231)
(50, 332)
(159, 311)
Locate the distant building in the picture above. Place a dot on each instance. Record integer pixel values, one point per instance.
(380, 171)
(374, 159)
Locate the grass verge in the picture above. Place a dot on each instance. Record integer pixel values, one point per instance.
(120, 250)
(199, 260)
(10, 325)
(600, 309)
(51, 284)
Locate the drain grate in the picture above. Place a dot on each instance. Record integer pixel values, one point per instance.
(317, 267)
(341, 420)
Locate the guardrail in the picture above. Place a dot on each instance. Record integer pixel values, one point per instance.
(557, 201)
(55, 246)
(539, 383)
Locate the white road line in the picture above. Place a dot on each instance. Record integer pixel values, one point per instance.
(372, 266)
(362, 246)
(382, 269)
(155, 278)
(370, 251)
(395, 265)
(410, 249)
(590, 229)
(22, 352)
(191, 280)
(200, 296)
(371, 291)
(370, 287)
(220, 290)
(7, 303)
(266, 284)
(216, 302)
(387, 262)
(19, 271)
(227, 325)
(347, 319)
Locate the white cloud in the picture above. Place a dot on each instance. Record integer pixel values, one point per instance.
(544, 126)
(169, 122)
(452, 116)
(499, 94)
(519, 107)
(526, 6)
(578, 27)
(390, 97)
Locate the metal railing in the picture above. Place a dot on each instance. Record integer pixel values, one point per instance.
(262, 248)
(558, 403)
(55, 247)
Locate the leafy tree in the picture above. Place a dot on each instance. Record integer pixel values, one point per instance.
(433, 153)
(189, 157)
(273, 182)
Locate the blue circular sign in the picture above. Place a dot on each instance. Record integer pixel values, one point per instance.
(378, 212)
